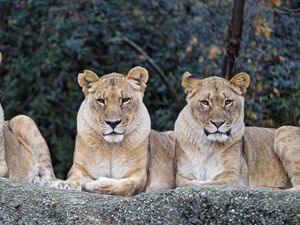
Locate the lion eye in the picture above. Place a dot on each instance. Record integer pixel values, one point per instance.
(125, 100)
(101, 101)
(205, 102)
(228, 102)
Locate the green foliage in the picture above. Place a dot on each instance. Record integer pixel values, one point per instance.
(274, 66)
(45, 44)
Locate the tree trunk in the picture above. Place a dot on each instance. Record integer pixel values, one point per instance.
(234, 37)
(22, 203)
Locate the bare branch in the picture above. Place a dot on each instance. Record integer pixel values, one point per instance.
(234, 37)
(285, 10)
(161, 73)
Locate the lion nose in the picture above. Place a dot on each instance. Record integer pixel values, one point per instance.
(113, 123)
(218, 123)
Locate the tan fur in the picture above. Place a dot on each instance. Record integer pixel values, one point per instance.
(115, 151)
(161, 172)
(287, 146)
(3, 165)
(214, 147)
(24, 153)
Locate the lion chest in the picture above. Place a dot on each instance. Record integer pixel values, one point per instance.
(109, 163)
(203, 165)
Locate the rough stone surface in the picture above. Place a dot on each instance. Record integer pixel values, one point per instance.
(22, 203)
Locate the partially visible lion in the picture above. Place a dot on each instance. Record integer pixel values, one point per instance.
(24, 154)
(3, 165)
(287, 145)
(115, 151)
(214, 147)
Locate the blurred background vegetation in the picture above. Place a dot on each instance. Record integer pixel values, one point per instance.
(45, 44)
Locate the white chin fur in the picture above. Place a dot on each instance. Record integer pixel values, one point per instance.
(217, 137)
(114, 138)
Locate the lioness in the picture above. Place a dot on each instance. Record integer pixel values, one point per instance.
(116, 152)
(24, 154)
(214, 147)
(287, 142)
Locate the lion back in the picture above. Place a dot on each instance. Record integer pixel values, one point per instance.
(161, 171)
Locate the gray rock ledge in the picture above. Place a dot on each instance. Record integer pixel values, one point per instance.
(22, 203)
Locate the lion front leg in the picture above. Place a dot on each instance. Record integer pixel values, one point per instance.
(203, 183)
(182, 181)
(230, 177)
(66, 185)
(28, 134)
(287, 148)
(3, 169)
(3, 165)
(224, 178)
(76, 177)
(123, 187)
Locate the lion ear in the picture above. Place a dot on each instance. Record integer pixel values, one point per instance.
(240, 82)
(189, 82)
(138, 77)
(86, 80)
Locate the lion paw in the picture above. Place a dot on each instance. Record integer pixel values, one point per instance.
(199, 183)
(73, 185)
(295, 188)
(66, 185)
(101, 185)
(58, 184)
(3, 169)
(41, 181)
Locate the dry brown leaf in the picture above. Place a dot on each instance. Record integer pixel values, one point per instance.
(214, 52)
(277, 2)
(262, 27)
(194, 40)
(189, 49)
(271, 5)
(274, 3)
(142, 57)
(276, 92)
(138, 13)
(282, 59)
(200, 58)
(275, 51)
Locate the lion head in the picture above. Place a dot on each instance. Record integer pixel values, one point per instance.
(217, 104)
(113, 100)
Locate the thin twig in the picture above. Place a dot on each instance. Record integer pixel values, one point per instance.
(285, 10)
(160, 72)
